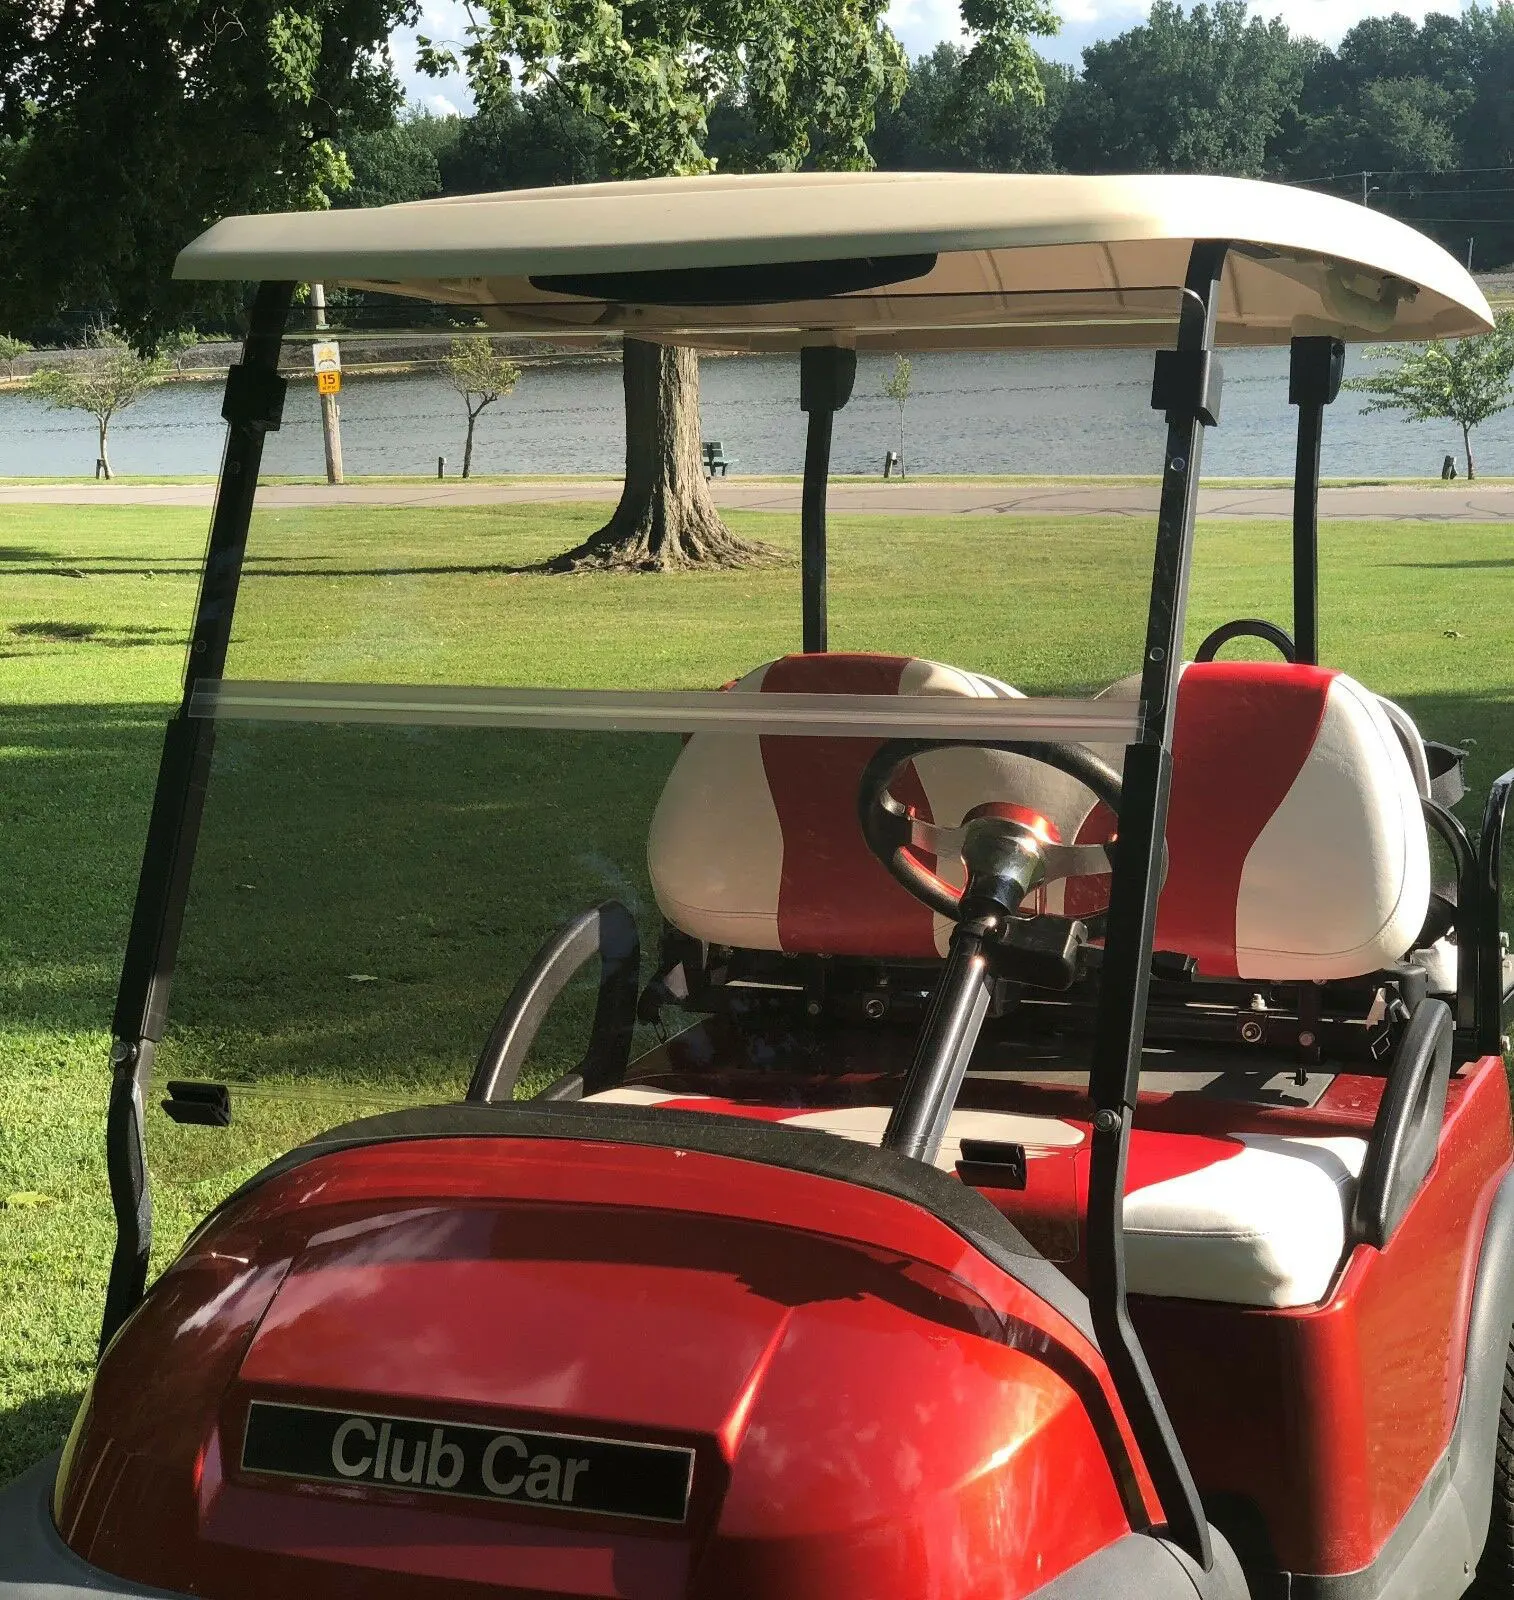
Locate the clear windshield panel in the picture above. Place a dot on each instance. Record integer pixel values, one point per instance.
(371, 891)
(398, 576)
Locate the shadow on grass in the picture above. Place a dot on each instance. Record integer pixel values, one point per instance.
(33, 1429)
(364, 898)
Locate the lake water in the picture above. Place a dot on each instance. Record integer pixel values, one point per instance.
(1077, 412)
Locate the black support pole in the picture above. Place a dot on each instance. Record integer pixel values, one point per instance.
(1315, 367)
(1187, 387)
(252, 407)
(826, 374)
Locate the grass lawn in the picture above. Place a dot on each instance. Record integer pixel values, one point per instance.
(366, 896)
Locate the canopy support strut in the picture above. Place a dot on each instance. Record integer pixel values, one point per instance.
(826, 375)
(253, 407)
(1187, 387)
(1315, 365)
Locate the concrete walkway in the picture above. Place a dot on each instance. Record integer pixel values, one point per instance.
(1409, 503)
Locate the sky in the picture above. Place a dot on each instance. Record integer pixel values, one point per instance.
(922, 24)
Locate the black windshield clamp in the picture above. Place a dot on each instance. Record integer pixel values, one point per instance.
(202, 1105)
(826, 375)
(1316, 364)
(1188, 383)
(254, 398)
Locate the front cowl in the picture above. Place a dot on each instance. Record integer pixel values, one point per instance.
(749, 1382)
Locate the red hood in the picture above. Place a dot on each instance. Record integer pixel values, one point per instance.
(867, 1399)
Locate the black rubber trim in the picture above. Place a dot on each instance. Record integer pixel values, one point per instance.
(607, 931)
(1142, 1566)
(821, 1154)
(1406, 1133)
(1246, 628)
(35, 1564)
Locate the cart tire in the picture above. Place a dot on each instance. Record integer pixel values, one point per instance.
(1495, 1569)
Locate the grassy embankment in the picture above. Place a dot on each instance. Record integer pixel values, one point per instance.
(366, 897)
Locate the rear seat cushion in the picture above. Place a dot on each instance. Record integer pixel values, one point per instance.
(1247, 1219)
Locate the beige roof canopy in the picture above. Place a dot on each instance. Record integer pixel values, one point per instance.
(920, 260)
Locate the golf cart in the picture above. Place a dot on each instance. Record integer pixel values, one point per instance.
(1061, 1144)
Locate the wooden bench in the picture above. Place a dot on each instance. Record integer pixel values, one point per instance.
(714, 458)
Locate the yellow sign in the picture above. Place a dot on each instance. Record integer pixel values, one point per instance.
(328, 382)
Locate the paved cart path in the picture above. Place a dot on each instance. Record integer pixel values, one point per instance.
(1408, 503)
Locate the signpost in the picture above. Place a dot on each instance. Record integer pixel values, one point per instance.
(326, 358)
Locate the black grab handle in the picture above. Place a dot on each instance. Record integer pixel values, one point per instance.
(609, 931)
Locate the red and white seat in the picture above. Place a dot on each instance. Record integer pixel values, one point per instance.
(1297, 853)
(1246, 1219)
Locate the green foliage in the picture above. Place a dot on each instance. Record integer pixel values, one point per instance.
(398, 163)
(522, 142)
(481, 375)
(10, 350)
(896, 386)
(810, 73)
(947, 120)
(1464, 382)
(102, 379)
(130, 134)
(176, 345)
(1205, 90)
(479, 372)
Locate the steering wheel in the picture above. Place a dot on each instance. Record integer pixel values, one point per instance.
(1247, 628)
(894, 833)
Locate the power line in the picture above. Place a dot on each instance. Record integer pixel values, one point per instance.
(1396, 172)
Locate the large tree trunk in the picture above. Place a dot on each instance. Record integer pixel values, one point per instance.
(468, 444)
(666, 520)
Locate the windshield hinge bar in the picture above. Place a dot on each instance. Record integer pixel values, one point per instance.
(1187, 389)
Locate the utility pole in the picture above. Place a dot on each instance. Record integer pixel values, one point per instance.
(1365, 190)
(331, 412)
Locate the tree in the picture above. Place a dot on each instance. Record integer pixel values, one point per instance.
(11, 350)
(1466, 382)
(392, 165)
(808, 75)
(102, 379)
(524, 142)
(896, 386)
(177, 345)
(131, 127)
(481, 375)
(948, 123)
(1202, 90)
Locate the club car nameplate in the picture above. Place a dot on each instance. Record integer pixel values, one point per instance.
(557, 1471)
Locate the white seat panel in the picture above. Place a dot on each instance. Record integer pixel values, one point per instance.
(1245, 1219)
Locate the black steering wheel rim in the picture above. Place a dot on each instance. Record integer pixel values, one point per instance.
(1248, 628)
(885, 820)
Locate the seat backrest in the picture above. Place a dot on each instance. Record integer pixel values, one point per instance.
(1296, 844)
(755, 841)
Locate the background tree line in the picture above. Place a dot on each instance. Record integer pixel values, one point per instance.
(1418, 117)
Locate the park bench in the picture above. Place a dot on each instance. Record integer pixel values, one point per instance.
(714, 458)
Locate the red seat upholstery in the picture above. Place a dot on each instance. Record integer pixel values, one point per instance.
(1297, 848)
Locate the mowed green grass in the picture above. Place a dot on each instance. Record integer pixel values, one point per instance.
(366, 897)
